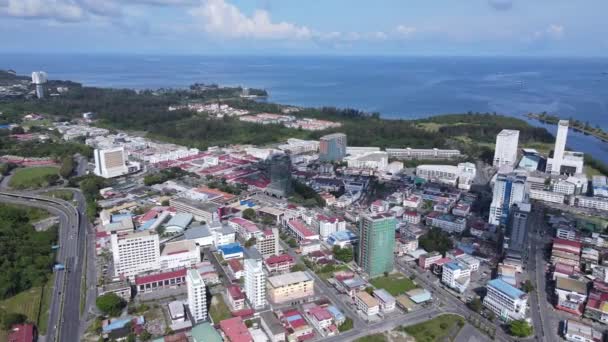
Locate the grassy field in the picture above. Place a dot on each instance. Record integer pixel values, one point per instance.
(33, 214)
(32, 177)
(395, 284)
(436, 329)
(219, 311)
(373, 338)
(65, 195)
(29, 304)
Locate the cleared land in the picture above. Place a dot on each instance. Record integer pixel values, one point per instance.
(34, 303)
(32, 177)
(219, 311)
(437, 329)
(65, 195)
(395, 284)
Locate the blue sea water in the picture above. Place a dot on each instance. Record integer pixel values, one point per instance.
(397, 87)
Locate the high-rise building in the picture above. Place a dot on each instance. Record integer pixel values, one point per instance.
(39, 78)
(376, 243)
(135, 252)
(255, 283)
(560, 146)
(509, 189)
(280, 176)
(506, 148)
(332, 147)
(518, 225)
(110, 163)
(197, 295)
(268, 244)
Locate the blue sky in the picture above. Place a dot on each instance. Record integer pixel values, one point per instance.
(293, 27)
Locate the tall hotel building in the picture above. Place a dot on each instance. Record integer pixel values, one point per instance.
(255, 283)
(332, 147)
(506, 148)
(135, 253)
(509, 189)
(197, 295)
(376, 243)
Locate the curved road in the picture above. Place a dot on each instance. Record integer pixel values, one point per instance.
(64, 317)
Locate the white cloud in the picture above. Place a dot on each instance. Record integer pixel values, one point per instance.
(553, 32)
(403, 31)
(226, 20)
(61, 10)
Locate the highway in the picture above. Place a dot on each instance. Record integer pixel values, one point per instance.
(64, 317)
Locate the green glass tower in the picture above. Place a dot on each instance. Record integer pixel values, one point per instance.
(376, 243)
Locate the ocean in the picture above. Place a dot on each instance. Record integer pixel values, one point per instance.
(396, 87)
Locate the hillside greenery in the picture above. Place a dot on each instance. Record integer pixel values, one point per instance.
(26, 257)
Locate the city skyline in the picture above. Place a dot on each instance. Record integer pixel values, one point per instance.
(237, 27)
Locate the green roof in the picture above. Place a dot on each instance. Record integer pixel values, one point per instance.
(205, 333)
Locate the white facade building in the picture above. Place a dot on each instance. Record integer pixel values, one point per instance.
(506, 148)
(507, 302)
(255, 283)
(554, 164)
(197, 296)
(547, 196)
(456, 275)
(598, 203)
(110, 163)
(135, 253)
(179, 254)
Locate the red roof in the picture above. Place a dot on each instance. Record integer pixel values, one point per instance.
(442, 261)
(235, 292)
(246, 224)
(319, 313)
(564, 269)
(151, 278)
(301, 228)
(235, 265)
(565, 242)
(21, 333)
(245, 313)
(277, 259)
(235, 330)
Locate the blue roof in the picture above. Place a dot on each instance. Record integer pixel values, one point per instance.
(294, 318)
(116, 324)
(231, 248)
(453, 266)
(338, 315)
(146, 225)
(505, 288)
(342, 235)
(120, 217)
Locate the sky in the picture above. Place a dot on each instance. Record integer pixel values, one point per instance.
(307, 27)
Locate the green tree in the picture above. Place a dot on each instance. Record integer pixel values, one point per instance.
(11, 319)
(346, 325)
(343, 254)
(145, 335)
(475, 304)
(369, 290)
(110, 304)
(67, 167)
(248, 323)
(250, 242)
(527, 286)
(520, 328)
(249, 214)
(298, 268)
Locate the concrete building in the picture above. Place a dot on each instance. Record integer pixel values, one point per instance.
(598, 203)
(377, 161)
(236, 297)
(202, 211)
(110, 163)
(268, 243)
(290, 287)
(328, 225)
(376, 243)
(385, 300)
(505, 153)
(367, 304)
(554, 164)
(547, 196)
(39, 79)
(507, 302)
(135, 253)
(255, 283)
(518, 227)
(178, 223)
(272, 327)
(197, 296)
(456, 276)
(150, 282)
(508, 189)
(600, 186)
(445, 174)
(281, 184)
(571, 295)
(279, 263)
(578, 332)
(178, 254)
(446, 222)
(332, 147)
(415, 153)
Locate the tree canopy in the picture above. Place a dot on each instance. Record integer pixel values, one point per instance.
(436, 240)
(520, 328)
(110, 304)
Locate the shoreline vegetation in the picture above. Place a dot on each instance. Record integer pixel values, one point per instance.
(577, 125)
(474, 134)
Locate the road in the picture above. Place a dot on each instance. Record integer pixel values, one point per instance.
(64, 317)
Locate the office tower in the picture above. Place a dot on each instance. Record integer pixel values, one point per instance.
(280, 176)
(135, 252)
(39, 78)
(332, 147)
(518, 225)
(255, 283)
(509, 189)
(268, 243)
(110, 163)
(506, 148)
(197, 295)
(376, 243)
